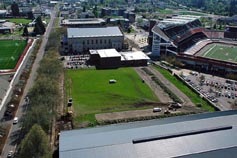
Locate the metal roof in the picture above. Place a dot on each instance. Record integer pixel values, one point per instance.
(138, 55)
(118, 140)
(94, 32)
(82, 21)
(104, 53)
(177, 20)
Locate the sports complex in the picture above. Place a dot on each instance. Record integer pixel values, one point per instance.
(12, 53)
(194, 46)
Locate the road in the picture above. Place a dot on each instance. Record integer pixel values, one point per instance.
(14, 131)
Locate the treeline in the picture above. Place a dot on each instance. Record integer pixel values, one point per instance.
(219, 7)
(44, 98)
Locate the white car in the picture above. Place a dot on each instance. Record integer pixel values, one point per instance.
(10, 154)
(15, 120)
(156, 109)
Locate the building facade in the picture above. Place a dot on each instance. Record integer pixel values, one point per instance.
(82, 39)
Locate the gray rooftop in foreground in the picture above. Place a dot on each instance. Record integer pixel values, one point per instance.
(118, 141)
(94, 32)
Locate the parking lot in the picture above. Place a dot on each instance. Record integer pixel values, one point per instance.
(220, 91)
(76, 61)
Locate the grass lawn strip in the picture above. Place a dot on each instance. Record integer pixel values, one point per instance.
(195, 98)
(19, 21)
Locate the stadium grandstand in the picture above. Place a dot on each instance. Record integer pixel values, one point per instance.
(171, 35)
(184, 37)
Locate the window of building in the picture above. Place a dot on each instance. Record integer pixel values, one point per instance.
(96, 41)
(100, 41)
(92, 41)
(105, 41)
(88, 42)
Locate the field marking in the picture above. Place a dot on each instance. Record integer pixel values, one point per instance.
(209, 50)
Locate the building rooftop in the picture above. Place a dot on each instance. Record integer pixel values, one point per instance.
(177, 20)
(82, 21)
(94, 32)
(134, 56)
(202, 135)
(104, 53)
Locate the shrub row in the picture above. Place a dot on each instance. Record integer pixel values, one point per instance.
(143, 118)
(167, 90)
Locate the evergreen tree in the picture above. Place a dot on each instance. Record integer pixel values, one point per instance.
(30, 15)
(15, 9)
(39, 26)
(35, 144)
(232, 8)
(25, 31)
(95, 12)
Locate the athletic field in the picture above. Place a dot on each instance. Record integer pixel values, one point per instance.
(92, 93)
(221, 52)
(10, 52)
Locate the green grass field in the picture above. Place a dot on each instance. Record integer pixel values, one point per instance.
(19, 20)
(11, 51)
(92, 93)
(221, 52)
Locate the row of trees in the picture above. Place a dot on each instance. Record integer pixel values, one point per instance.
(44, 98)
(220, 7)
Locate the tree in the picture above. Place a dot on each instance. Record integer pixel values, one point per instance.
(30, 15)
(15, 9)
(25, 31)
(39, 26)
(35, 144)
(95, 12)
(232, 8)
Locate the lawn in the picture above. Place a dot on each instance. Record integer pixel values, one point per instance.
(19, 20)
(195, 98)
(11, 51)
(92, 93)
(222, 52)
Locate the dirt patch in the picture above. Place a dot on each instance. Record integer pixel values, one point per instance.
(144, 113)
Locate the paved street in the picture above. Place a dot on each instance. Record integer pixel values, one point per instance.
(13, 134)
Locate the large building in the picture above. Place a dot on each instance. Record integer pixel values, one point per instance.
(83, 39)
(176, 34)
(110, 58)
(208, 135)
(184, 38)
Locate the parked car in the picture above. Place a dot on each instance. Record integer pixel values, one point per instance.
(156, 109)
(10, 154)
(15, 120)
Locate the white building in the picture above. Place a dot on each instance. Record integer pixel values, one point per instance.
(83, 39)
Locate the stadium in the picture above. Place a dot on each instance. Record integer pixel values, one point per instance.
(196, 47)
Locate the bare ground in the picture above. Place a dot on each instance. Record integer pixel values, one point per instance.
(141, 113)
